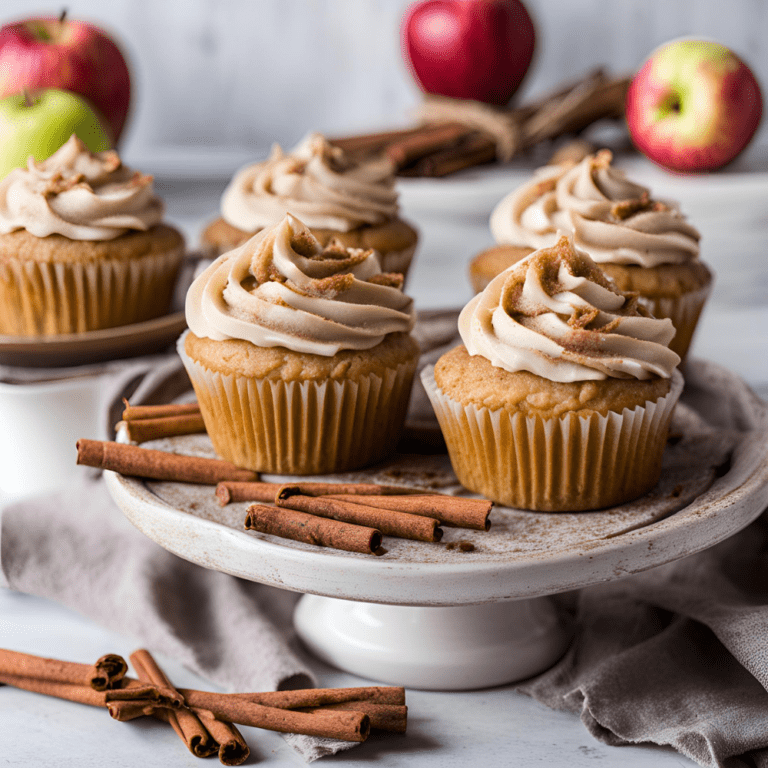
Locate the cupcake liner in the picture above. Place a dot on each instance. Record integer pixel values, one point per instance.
(42, 298)
(684, 312)
(305, 427)
(572, 463)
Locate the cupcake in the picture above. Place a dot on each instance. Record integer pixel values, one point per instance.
(560, 398)
(300, 354)
(336, 197)
(645, 245)
(82, 246)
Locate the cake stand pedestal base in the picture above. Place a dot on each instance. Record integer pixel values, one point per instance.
(434, 648)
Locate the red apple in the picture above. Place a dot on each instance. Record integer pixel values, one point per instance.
(693, 106)
(469, 49)
(69, 55)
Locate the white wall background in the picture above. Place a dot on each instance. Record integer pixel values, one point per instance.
(239, 74)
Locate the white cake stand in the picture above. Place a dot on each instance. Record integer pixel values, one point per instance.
(436, 616)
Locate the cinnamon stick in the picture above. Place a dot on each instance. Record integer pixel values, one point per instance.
(348, 726)
(137, 412)
(105, 673)
(462, 513)
(373, 142)
(232, 748)
(310, 529)
(230, 491)
(185, 722)
(362, 489)
(157, 465)
(388, 522)
(411, 148)
(142, 430)
(383, 717)
(136, 700)
(476, 149)
(317, 697)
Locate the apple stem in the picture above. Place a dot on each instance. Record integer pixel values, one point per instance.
(27, 98)
(62, 16)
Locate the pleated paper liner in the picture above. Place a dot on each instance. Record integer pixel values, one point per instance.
(397, 261)
(40, 298)
(302, 428)
(684, 312)
(570, 463)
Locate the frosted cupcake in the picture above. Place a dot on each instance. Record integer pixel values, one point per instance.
(336, 197)
(560, 398)
(300, 355)
(645, 245)
(82, 245)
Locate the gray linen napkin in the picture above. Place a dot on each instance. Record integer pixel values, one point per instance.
(677, 655)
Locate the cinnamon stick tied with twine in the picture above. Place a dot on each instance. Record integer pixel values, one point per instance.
(143, 430)
(311, 529)
(389, 522)
(106, 673)
(157, 465)
(186, 724)
(453, 510)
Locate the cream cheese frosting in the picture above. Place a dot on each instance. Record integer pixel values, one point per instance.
(318, 183)
(556, 314)
(613, 219)
(281, 288)
(80, 195)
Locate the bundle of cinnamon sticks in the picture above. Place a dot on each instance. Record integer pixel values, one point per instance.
(455, 134)
(347, 516)
(205, 721)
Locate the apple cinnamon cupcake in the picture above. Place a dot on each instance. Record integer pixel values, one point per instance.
(645, 245)
(560, 398)
(82, 246)
(335, 196)
(300, 354)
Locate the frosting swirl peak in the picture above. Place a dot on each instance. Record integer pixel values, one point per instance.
(612, 218)
(282, 289)
(317, 182)
(80, 195)
(556, 314)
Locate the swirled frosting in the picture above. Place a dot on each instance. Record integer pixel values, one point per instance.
(556, 314)
(282, 289)
(317, 182)
(80, 195)
(613, 219)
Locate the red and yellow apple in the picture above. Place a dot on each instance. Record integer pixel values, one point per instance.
(469, 49)
(37, 124)
(69, 55)
(693, 106)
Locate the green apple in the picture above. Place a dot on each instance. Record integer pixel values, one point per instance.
(39, 123)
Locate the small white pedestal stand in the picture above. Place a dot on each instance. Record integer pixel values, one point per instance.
(424, 616)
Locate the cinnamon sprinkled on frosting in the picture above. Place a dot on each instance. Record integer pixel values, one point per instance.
(80, 195)
(317, 182)
(556, 314)
(281, 288)
(613, 219)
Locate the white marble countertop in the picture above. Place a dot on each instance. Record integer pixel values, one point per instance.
(494, 727)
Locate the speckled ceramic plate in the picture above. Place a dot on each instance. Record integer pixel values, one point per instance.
(715, 482)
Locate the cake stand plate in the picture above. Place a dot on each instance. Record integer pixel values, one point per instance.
(472, 611)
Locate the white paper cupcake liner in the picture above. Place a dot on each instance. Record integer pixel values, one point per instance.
(306, 427)
(570, 463)
(684, 313)
(42, 298)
